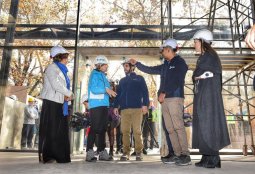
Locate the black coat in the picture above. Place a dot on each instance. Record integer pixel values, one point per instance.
(254, 82)
(209, 119)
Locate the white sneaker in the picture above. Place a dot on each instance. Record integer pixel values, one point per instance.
(104, 156)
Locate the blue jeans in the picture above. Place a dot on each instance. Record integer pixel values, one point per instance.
(27, 135)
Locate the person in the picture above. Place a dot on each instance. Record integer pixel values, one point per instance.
(54, 142)
(187, 117)
(99, 91)
(171, 96)
(133, 100)
(118, 137)
(149, 126)
(84, 101)
(36, 127)
(114, 120)
(210, 133)
(30, 115)
(250, 41)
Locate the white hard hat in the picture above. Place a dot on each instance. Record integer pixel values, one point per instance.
(126, 60)
(14, 97)
(204, 34)
(101, 59)
(58, 50)
(84, 98)
(169, 43)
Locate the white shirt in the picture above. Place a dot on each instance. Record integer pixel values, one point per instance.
(30, 114)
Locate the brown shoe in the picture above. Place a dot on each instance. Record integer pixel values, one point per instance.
(124, 157)
(139, 157)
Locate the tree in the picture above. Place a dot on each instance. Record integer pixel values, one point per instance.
(27, 66)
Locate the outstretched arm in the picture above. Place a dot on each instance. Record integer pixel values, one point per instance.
(250, 38)
(147, 69)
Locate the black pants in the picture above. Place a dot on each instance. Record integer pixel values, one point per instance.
(53, 133)
(110, 133)
(27, 135)
(147, 125)
(118, 138)
(99, 121)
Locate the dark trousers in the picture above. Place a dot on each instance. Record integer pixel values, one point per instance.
(118, 138)
(54, 141)
(99, 122)
(27, 135)
(168, 141)
(36, 132)
(148, 129)
(110, 133)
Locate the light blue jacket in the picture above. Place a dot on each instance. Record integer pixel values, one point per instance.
(97, 95)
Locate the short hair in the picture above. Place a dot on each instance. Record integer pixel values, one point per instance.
(174, 49)
(60, 57)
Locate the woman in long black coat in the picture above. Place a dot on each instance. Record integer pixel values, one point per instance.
(210, 133)
(54, 142)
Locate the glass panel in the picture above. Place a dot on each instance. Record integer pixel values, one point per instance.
(24, 81)
(117, 23)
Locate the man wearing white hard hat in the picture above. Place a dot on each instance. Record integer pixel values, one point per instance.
(171, 96)
(210, 132)
(54, 142)
(99, 92)
(132, 100)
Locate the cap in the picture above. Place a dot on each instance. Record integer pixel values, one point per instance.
(30, 99)
(169, 43)
(57, 50)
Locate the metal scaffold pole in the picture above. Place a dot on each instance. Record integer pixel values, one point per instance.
(7, 53)
(248, 112)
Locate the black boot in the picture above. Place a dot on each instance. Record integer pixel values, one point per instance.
(201, 162)
(111, 151)
(213, 161)
(144, 152)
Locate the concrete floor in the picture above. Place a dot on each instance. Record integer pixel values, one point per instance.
(27, 163)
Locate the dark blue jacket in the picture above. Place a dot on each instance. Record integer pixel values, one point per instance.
(172, 76)
(132, 92)
(254, 82)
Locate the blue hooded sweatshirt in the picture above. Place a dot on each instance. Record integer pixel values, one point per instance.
(97, 95)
